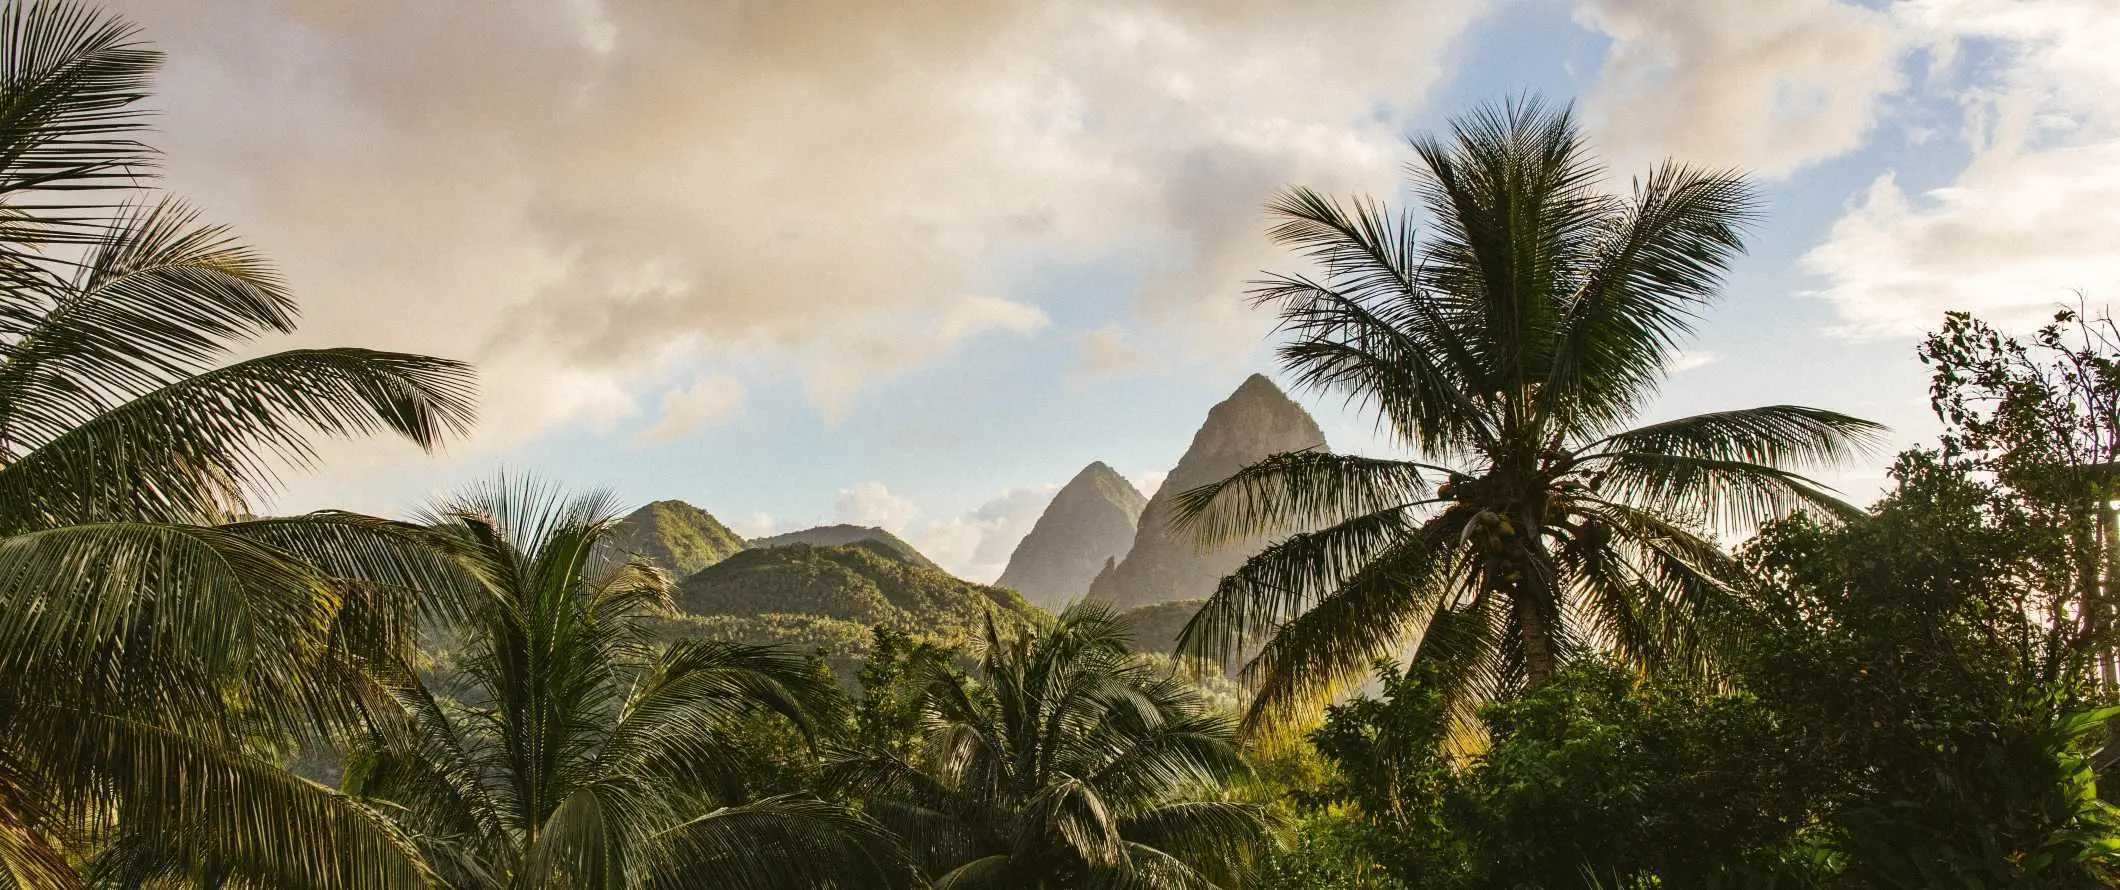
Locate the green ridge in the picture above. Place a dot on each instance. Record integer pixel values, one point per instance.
(676, 536)
(841, 535)
(828, 598)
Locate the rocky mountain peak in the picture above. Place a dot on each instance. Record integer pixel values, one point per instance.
(1256, 421)
(1090, 521)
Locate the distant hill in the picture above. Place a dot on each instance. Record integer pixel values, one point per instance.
(838, 535)
(1164, 564)
(676, 536)
(828, 598)
(1089, 522)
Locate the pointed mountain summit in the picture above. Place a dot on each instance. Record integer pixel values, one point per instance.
(675, 536)
(842, 535)
(1088, 523)
(1256, 421)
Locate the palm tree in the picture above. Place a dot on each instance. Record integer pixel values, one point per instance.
(584, 756)
(1509, 350)
(1074, 764)
(151, 637)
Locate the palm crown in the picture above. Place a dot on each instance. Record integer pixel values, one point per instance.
(1509, 348)
(151, 637)
(584, 756)
(1074, 763)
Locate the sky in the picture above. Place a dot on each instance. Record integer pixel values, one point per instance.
(915, 264)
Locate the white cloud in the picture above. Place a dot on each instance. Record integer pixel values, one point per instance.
(710, 400)
(976, 546)
(1688, 361)
(591, 192)
(1147, 483)
(838, 373)
(1767, 87)
(2030, 220)
(870, 503)
(756, 525)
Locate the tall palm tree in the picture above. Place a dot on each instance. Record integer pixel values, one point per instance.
(583, 755)
(151, 637)
(1072, 764)
(1509, 350)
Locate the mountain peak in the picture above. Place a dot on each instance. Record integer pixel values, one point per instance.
(1089, 522)
(1258, 384)
(675, 536)
(1258, 420)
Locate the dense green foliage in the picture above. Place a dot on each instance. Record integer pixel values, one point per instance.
(1509, 346)
(674, 536)
(843, 644)
(1911, 656)
(1066, 762)
(827, 598)
(843, 535)
(584, 755)
(1157, 628)
(1909, 718)
(1597, 773)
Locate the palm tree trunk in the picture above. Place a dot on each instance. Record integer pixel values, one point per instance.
(1535, 591)
(1539, 666)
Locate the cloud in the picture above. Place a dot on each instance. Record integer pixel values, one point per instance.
(1148, 482)
(1107, 351)
(756, 525)
(870, 503)
(587, 193)
(2029, 220)
(838, 373)
(1691, 360)
(710, 400)
(1768, 87)
(977, 545)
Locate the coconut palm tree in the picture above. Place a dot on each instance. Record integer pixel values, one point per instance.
(153, 640)
(583, 755)
(1072, 764)
(1508, 350)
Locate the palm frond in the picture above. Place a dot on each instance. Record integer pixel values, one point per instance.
(1729, 494)
(780, 843)
(1657, 589)
(69, 82)
(1335, 643)
(1782, 436)
(188, 452)
(222, 600)
(202, 804)
(1659, 261)
(1297, 491)
(1214, 838)
(669, 728)
(27, 856)
(1514, 211)
(158, 299)
(1287, 578)
(1369, 330)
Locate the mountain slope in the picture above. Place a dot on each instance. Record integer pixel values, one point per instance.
(827, 598)
(676, 536)
(841, 535)
(1090, 521)
(1164, 564)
